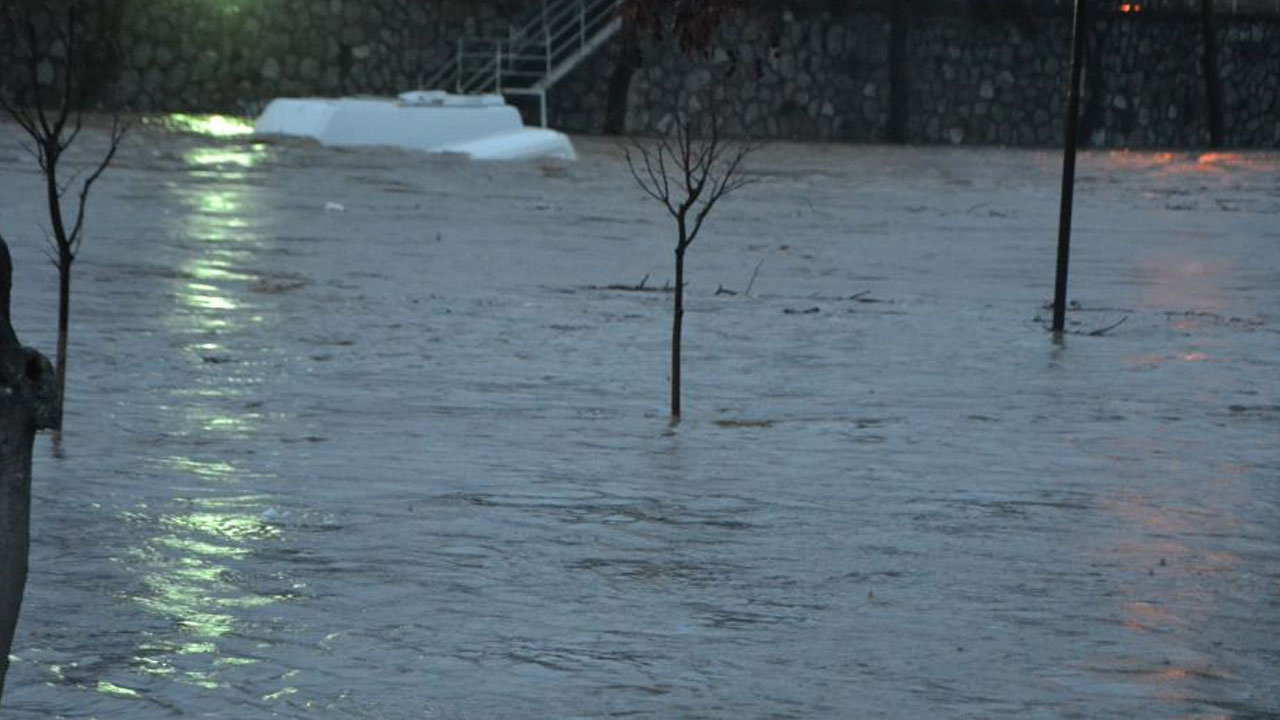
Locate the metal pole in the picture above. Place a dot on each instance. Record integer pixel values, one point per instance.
(1068, 170)
(542, 106)
(497, 67)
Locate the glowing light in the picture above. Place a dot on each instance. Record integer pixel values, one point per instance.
(1130, 7)
(209, 125)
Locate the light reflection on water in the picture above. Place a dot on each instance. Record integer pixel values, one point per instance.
(223, 158)
(188, 568)
(1181, 525)
(189, 580)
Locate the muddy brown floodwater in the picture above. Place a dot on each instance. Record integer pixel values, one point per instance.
(409, 459)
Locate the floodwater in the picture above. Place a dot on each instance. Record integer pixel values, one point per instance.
(408, 457)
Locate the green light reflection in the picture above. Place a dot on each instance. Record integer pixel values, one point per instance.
(202, 468)
(215, 268)
(218, 157)
(224, 525)
(221, 126)
(189, 578)
(193, 570)
(222, 202)
(205, 297)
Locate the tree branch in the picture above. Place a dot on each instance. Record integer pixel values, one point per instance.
(707, 169)
(118, 130)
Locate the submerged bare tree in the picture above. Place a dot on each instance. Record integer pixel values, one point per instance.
(688, 172)
(45, 38)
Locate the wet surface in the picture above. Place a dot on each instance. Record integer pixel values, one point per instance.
(408, 457)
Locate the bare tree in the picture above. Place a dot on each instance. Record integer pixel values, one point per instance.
(688, 173)
(40, 36)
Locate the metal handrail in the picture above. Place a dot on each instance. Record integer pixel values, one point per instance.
(534, 53)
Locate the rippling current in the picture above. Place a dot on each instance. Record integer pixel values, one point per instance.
(408, 457)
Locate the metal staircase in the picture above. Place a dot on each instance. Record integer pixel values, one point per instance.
(534, 55)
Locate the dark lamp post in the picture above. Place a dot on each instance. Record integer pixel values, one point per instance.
(1068, 170)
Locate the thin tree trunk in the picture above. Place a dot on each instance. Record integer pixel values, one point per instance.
(27, 384)
(677, 324)
(51, 156)
(64, 317)
(65, 258)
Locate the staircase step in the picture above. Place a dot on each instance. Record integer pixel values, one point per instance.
(470, 73)
(568, 64)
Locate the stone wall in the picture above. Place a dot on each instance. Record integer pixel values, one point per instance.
(234, 55)
(966, 79)
(818, 78)
(836, 70)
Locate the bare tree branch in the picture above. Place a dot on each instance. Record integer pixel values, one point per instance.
(75, 131)
(118, 130)
(650, 186)
(706, 169)
(20, 115)
(50, 248)
(664, 150)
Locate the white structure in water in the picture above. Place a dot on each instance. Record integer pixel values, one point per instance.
(481, 126)
(534, 54)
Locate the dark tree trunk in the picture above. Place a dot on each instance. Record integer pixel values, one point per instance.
(677, 325)
(1212, 82)
(26, 405)
(64, 315)
(53, 151)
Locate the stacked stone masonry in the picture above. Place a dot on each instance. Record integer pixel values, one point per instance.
(801, 70)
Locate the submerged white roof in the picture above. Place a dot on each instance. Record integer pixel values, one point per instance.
(482, 126)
